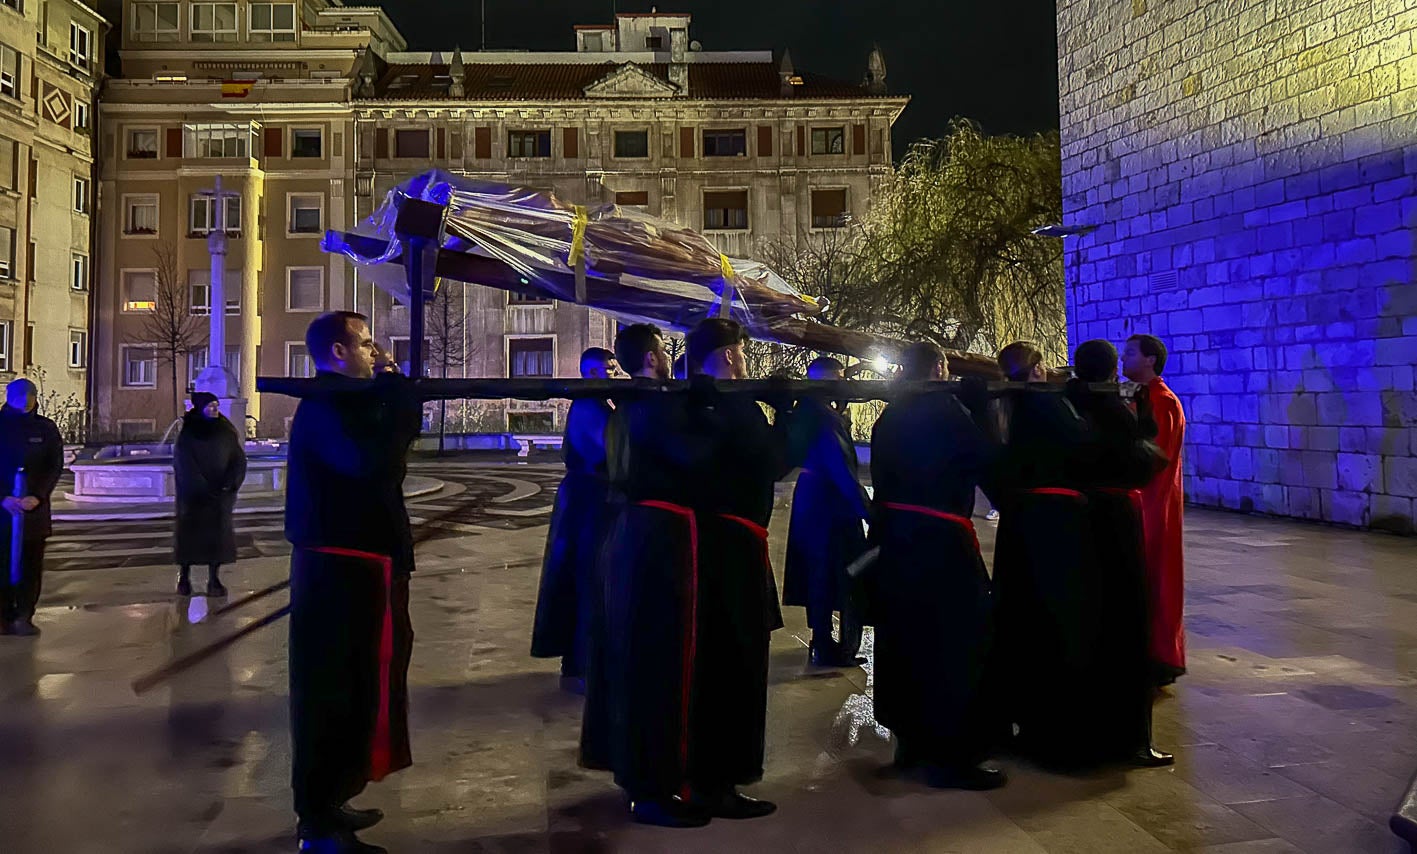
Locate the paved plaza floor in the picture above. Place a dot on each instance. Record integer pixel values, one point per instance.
(1296, 729)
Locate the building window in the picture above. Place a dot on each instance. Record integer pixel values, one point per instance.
(156, 22)
(272, 22)
(306, 213)
(631, 143)
(142, 144)
(654, 42)
(202, 214)
(828, 208)
(214, 22)
(139, 367)
(81, 195)
(7, 338)
(411, 143)
(531, 357)
(200, 283)
(828, 140)
(81, 115)
(7, 252)
(231, 141)
(306, 142)
(9, 72)
(13, 4)
(79, 272)
(197, 361)
(725, 143)
(593, 42)
(634, 199)
(297, 361)
(9, 164)
(726, 210)
(529, 143)
(78, 348)
(514, 298)
(29, 344)
(140, 214)
(305, 289)
(139, 290)
(403, 355)
(80, 46)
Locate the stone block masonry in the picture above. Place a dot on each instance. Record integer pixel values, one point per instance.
(1252, 172)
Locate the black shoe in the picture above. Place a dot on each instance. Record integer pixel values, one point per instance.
(737, 807)
(1150, 757)
(184, 587)
(357, 819)
(24, 629)
(216, 589)
(338, 842)
(973, 778)
(673, 812)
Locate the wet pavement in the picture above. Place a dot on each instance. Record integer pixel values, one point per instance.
(1296, 729)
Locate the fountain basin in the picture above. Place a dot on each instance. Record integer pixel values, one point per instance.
(149, 480)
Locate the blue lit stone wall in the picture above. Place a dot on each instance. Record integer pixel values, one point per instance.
(1252, 170)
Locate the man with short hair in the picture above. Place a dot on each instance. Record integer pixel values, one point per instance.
(641, 699)
(31, 442)
(578, 523)
(350, 634)
(929, 593)
(829, 505)
(1163, 508)
(738, 604)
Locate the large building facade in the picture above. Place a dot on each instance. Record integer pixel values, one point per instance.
(1252, 173)
(50, 67)
(309, 113)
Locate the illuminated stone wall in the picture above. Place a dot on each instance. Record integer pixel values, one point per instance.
(1252, 170)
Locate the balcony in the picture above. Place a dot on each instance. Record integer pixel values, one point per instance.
(531, 319)
(734, 244)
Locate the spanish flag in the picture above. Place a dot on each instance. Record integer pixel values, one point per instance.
(236, 88)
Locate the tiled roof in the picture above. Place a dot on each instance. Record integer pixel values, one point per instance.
(567, 81)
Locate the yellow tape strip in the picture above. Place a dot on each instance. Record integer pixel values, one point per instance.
(578, 235)
(726, 266)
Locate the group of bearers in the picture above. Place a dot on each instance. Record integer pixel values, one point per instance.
(658, 594)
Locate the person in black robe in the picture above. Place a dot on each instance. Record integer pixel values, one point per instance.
(1046, 577)
(578, 524)
(929, 592)
(829, 505)
(209, 466)
(641, 700)
(350, 634)
(737, 604)
(31, 442)
(1124, 458)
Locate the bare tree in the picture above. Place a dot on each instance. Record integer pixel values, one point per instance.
(170, 328)
(448, 345)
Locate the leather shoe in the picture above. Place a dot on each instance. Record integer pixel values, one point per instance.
(1150, 757)
(24, 629)
(972, 778)
(833, 658)
(357, 819)
(339, 842)
(737, 807)
(184, 587)
(216, 590)
(673, 812)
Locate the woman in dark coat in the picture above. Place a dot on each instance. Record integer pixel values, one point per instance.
(210, 465)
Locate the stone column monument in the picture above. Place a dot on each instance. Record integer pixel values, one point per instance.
(216, 378)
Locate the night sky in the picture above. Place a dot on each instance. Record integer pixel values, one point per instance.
(994, 61)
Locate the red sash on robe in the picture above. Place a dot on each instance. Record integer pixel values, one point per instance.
(967, 524)
(690, 635)
(381, 762)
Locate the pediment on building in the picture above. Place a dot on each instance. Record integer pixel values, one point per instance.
(631, 81)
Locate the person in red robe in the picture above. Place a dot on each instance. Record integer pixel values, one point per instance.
(1163, 505)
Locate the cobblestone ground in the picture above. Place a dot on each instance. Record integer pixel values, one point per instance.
(1294, 729)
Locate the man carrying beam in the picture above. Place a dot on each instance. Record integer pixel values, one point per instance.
(350, 634)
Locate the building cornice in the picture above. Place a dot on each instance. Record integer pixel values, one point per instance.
(549, 57)
(294, 54)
